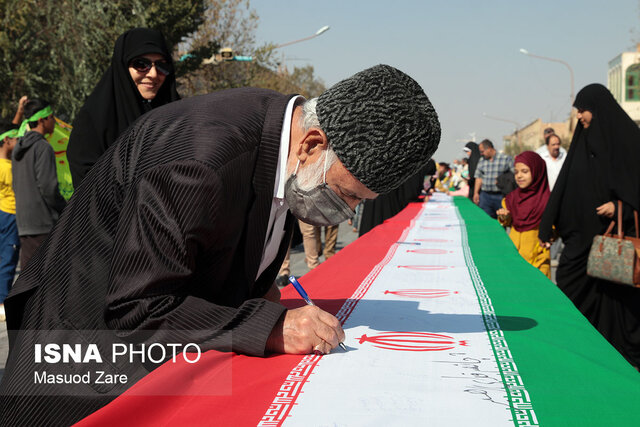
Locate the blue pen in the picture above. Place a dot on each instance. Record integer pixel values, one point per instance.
(306, 298)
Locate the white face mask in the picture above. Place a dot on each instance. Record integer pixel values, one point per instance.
(320, 205)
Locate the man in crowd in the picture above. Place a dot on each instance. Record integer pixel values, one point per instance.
(553, 155)
(486, 193)
(312, 243)
(35, 180)
(178, 232)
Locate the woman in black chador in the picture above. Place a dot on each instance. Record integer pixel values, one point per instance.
(474, 157)
(139, 79)
(385, 206)
(601, 168)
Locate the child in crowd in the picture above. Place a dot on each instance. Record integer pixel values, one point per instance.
(9, 240)
(463, 186)
(444, 176)
(523, 207)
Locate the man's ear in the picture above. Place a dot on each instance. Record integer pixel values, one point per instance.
(313, 142)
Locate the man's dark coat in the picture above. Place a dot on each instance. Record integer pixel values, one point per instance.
(161, 243)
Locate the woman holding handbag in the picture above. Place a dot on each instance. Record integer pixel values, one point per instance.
(601, 168)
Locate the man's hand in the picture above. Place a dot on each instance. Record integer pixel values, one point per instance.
(17, 119)
(607, 210)
(476, 198)
(23, 100)
(305, 330)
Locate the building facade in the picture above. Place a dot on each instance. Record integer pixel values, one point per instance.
(623, 80)
(531, 136)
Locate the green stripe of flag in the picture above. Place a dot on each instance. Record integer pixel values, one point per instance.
(573, 375)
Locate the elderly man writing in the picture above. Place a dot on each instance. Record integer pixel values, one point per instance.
(177, 233)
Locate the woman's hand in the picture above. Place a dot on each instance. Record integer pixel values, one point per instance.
(607, 210)
(545, 245)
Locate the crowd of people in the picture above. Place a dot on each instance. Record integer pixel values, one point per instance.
(183, 210)
(138, 80)
(555, 202)
(552, 203)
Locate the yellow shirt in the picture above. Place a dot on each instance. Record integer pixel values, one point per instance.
(7, 198)
(529, 247)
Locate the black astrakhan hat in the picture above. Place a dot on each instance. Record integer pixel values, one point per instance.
(381, 126)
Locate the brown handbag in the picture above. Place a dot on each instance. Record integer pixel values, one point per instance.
(616, 258)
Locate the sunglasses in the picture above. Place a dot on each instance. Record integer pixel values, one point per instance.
(143, 65)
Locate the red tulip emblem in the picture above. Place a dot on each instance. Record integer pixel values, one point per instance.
(422, 293)
(425, 267)
(429, 251)
(412, 341)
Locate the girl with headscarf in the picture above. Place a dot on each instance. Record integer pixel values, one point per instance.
(139, 79)
(472, 150)
(523, 207)
(600, 169)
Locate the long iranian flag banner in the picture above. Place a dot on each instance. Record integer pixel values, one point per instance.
(445, 325)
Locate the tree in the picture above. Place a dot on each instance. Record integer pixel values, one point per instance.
(58, 49)
(309, 85)
(232, 23)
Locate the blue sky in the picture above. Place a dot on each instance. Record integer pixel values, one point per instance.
(465, 54)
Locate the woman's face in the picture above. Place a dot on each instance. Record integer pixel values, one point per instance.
(148, 82)
(585, 117)
(523, 175)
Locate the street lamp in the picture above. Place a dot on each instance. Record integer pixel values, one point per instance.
(526, 52)
(320, 31)
(509, 121)
(226, 54)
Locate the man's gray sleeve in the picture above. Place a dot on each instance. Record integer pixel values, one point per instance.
(47, 177)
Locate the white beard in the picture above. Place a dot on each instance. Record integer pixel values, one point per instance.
(312, 175)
